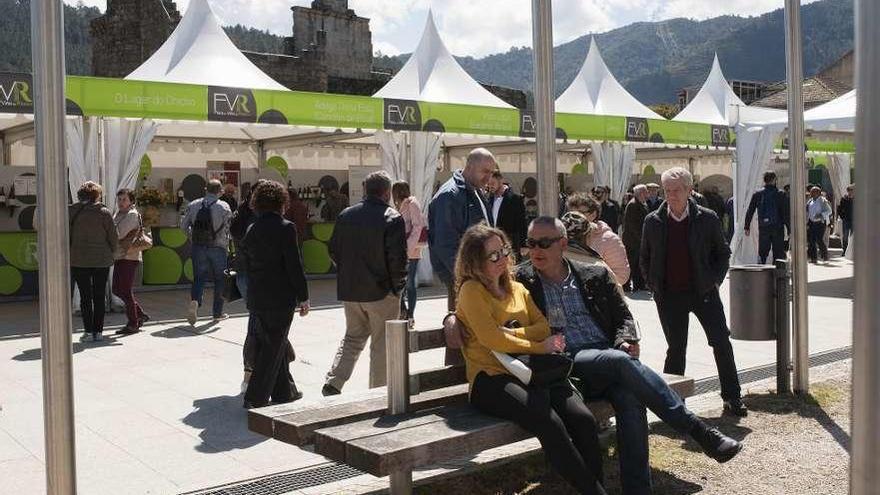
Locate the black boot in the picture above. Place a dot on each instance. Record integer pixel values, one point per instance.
(715, 444)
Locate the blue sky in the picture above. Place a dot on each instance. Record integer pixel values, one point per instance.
(480, 27)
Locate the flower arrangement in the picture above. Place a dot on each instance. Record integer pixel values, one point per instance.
(150, 196)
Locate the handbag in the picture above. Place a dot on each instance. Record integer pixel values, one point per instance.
(142, 241)
(230, 286)
(535, 369)
(423, 236)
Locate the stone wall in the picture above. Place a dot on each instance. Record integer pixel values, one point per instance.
(366, 87)
(515, 97)
(303, 73)
(344, 38)
(129, 33)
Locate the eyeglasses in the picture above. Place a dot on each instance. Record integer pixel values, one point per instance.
(543, 243)
(498, 254)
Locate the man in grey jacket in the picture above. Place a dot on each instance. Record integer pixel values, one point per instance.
(206, 223)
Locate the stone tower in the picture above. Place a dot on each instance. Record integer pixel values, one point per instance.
(344, 38)
(128, 33)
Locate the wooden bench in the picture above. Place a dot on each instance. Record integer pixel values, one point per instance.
(438, 425)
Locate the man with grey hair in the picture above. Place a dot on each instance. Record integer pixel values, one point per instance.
(684, 259)
(368, 246)
(206, 223)
(459, 203)
(633, 217)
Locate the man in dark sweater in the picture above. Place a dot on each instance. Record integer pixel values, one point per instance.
(773, 218)
(633, 218)
(845, 212)
(684, 259)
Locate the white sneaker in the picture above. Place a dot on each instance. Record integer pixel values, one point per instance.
(245, 381)
(220, 317)
(97, 337)
(192, 313)
(86, 337)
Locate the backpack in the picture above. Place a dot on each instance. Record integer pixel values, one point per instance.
(768, 209)
(203, 232)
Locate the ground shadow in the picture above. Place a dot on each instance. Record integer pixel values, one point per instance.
(842, 288)
(804, 406)
(641, 295)
(223, 422)
(181, 331)
(36, 354)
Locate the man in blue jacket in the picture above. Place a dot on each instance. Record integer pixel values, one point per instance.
(772, 207)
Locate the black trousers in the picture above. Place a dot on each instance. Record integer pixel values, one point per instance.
(635, 273)
(92, 284)
(556, 415)
(771, 237)
(674, 309)
(271, 378)
(816, 238)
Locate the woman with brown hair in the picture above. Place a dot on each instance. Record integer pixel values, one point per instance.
(489, 304)
(408, 207)
(128, 225)
(93, 242)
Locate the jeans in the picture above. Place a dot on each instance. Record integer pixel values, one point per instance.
(408, 302)
(556, 415)
(123, 280)
(271, 378)
(363, 321)
(816, 238)
(92, 283)
(209, 262)
(249, 350)
(771, 237)
(630, 386)
(674, 309)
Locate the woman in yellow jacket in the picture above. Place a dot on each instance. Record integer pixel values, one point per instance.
(488, 298)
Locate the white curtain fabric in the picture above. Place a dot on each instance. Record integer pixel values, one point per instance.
(394, 148)
(839, 171)
(125, 142)
(754, 146)
(614, 163)
(425, 153)
(81, 136)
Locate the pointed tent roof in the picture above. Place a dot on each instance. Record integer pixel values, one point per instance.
(596, 91)
(432, 74)
(200, 52)
(715, 101)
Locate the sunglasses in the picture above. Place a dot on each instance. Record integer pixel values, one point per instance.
(498, 254)
(542, 243)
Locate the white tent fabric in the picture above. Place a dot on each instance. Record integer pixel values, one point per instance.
(614, 163)
(125, 142)
(83, 150)
(596, 91)
(754, 146)
(200, 52)
(717, 104)
(393, 147)
(836, 115)
(432, 74)
(425, 153)
(839, 170)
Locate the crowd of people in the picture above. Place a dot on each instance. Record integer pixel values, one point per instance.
(550, 287)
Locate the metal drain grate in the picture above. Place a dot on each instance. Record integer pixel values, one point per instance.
(279, 484)
(712, 384)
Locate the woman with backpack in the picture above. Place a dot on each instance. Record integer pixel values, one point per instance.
(129, 226)
(416, 238)
(93, 242)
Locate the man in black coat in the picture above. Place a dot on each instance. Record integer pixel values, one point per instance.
(633, 218)
(368, 246)
(276, 287)
(610, 213)
(508, 212)
(773, 218)
(845, 212)
(684, 259)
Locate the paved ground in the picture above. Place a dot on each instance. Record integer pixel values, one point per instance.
(159, 412)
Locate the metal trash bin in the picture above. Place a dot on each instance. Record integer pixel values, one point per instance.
(753, 302)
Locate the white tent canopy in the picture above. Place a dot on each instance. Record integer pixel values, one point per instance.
(595, 91)
(200, 52)
(717, 104)
(432, 74)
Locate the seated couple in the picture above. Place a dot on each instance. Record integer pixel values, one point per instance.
(597, 334)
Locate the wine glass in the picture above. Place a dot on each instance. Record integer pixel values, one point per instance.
(556, 318)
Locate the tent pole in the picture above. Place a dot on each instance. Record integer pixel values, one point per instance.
(545, 135)
(793, 57)
(47, 26)
(865, 460)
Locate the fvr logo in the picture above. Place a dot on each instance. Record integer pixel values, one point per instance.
(231, 104)
(402, 115)
(720, 135)
(237, 105)
(527, 123)
(16, 94)
(637, 129)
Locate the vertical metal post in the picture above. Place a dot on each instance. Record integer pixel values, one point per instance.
(47, 35)
(545, 128)
(783, 327)
(797, 159)
(865, 460)
(397, 360)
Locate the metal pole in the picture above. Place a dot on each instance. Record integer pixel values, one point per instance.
(545, 130)
(865, 461)
(397, 361)
(797, 159)
(783, 327)
(47, 35)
